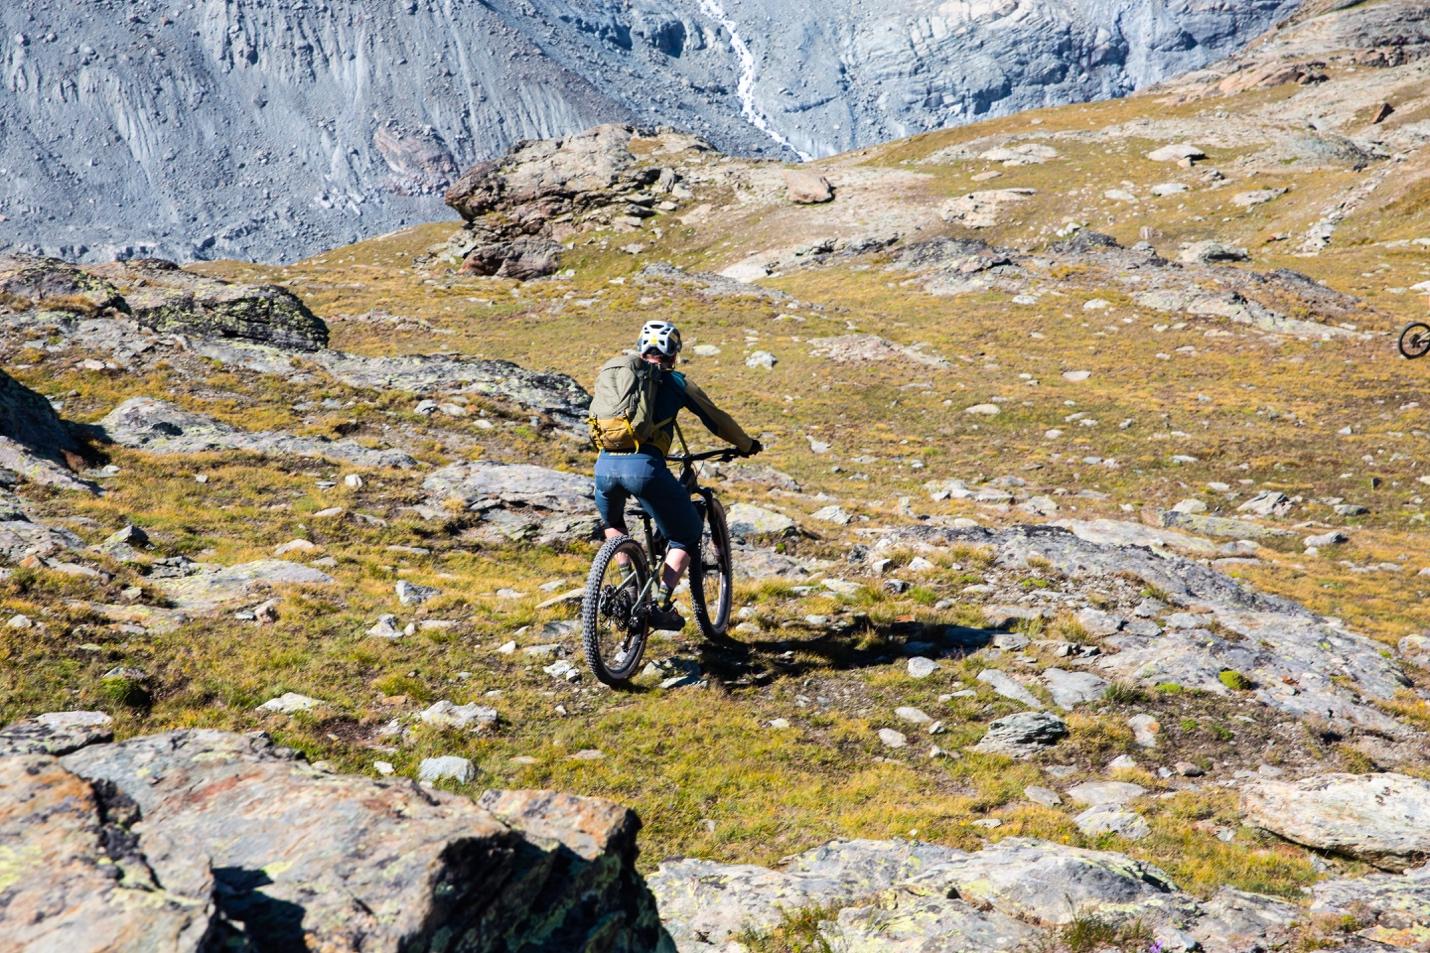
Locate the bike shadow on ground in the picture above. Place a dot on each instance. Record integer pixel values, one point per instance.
(807, 650)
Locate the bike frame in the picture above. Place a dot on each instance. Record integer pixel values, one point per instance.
(688, 478)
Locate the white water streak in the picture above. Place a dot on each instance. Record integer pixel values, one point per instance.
(745, 89)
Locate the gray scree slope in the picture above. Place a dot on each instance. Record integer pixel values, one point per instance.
(260, 128)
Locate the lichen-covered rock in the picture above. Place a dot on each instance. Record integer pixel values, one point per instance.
(903, 923)
(1380, 818)
(903, 897)
(1390, 908)
(48, 284)
(160, 427)
(163, 296)
(191, 839)
(73, 876)
(1022, 735)
(1052, 884)
(706, 902)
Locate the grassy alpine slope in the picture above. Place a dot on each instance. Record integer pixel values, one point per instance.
(1104, 405)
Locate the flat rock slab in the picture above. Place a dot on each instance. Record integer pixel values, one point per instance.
(1009, 688)
(481, 484)
(1383, 819)
(1050, 884)
(704, 899)
(1105, 792)
(56, 732)
(1224, 527)
(158, 426)
(1111, 819)
(1073, 688)
(1122, 533)
(555, 395)
(903, 923)
(1295, 662)
(746, 520)
(206, 591)
(907, 897)
(20, 538)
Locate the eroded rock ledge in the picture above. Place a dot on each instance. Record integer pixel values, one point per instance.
(204, 840)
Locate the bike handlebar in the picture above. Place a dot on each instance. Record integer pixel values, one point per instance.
(723, 455)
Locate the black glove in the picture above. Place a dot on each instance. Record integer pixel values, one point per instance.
(755, 447)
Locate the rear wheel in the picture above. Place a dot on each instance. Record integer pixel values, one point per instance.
(711, 583)
(614, 621)
(1415, 340)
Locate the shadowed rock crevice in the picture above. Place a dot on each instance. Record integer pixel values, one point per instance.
(35, 444)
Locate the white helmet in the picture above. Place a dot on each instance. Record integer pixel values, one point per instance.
(661, 336)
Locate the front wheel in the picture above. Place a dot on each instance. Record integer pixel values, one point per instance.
(1415, 340)
(614, 620)
(711, 582)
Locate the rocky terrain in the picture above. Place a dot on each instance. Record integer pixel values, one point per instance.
(262, 130)
(1082, 588)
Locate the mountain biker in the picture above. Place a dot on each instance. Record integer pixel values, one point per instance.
(643, 473)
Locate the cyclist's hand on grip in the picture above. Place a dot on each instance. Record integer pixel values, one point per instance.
(755, 447)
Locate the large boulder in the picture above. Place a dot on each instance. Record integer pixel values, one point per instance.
(520, 206)
(807, 188)
(519, 258)
(196, 839)
(157, 426)
(547, 173)
(1383, 819)
(163, 296)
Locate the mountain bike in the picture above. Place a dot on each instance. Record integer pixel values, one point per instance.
(620, 590)
(1415, 340)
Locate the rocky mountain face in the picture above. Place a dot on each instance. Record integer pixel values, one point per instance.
(257, 129)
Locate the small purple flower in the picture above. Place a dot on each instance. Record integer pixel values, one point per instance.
(1156, 947)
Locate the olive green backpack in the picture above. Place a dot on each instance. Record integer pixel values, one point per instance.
(622, 414)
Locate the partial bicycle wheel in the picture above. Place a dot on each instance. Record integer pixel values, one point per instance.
(711, 580)
(614, 624)
(1415, 340)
